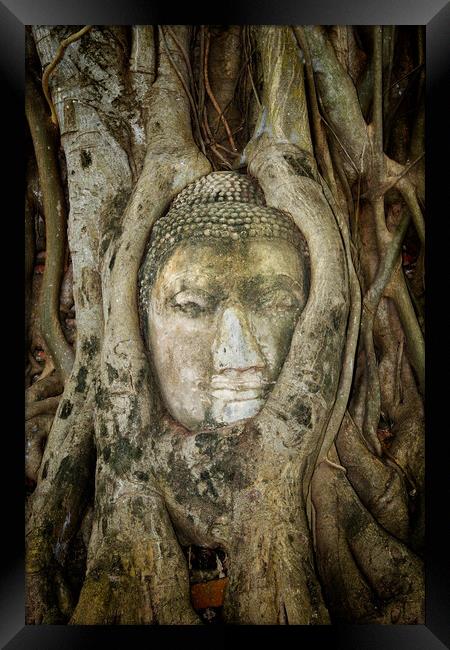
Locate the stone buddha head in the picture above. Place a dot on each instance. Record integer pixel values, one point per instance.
(222, 284)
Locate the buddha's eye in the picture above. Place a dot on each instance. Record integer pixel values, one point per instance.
(190, 303)
(279, 300)
(190, 308)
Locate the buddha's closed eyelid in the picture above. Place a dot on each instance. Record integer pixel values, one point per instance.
(278, 293)
(192, 302)
(280, 298)
(191, 295)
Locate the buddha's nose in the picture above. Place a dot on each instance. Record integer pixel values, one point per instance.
(235, 348)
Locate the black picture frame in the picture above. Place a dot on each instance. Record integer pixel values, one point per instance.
(14, 15)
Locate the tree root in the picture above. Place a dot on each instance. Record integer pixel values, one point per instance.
(36, 432)
(64, 482)
(414, 337)
(137, 573)
(50, 68)
(370, 306)
(339, 100)
(378, 486)
(212, 97)
(29, 254)
(45, 148)
(44, 387)
(273, 581)
(33, 368)
(44, 406)
(353, 328)
(370, 576)
(48, 598)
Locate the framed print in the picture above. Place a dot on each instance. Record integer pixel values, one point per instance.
(224, 342)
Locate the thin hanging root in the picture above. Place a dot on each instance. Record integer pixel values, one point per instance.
(51, 67)
(54, 203)
(185, 57)
(213, 144)
(378, 153)
(219, 155)
(398, 172)
(255, 92)
(385, 269)
(228, 151)
(370, 305)
(342, 146)
(335, 465)
(201, 83)
(396, 176)
(398, 291)
(186, 90)
(247, 62)
(380, 163)
(398, 394)
(320, 138)
(408, 193)
(212, 97)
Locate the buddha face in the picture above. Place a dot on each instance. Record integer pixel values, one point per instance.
(220, 321)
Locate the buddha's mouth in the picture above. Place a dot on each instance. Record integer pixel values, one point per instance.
(238, 389)
(240, 394)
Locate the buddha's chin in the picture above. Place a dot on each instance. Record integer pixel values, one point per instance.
(230, 411)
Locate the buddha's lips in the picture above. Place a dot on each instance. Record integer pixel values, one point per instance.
(237, 389)
(237, 394)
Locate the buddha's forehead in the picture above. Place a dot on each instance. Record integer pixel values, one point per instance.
(225, 264)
